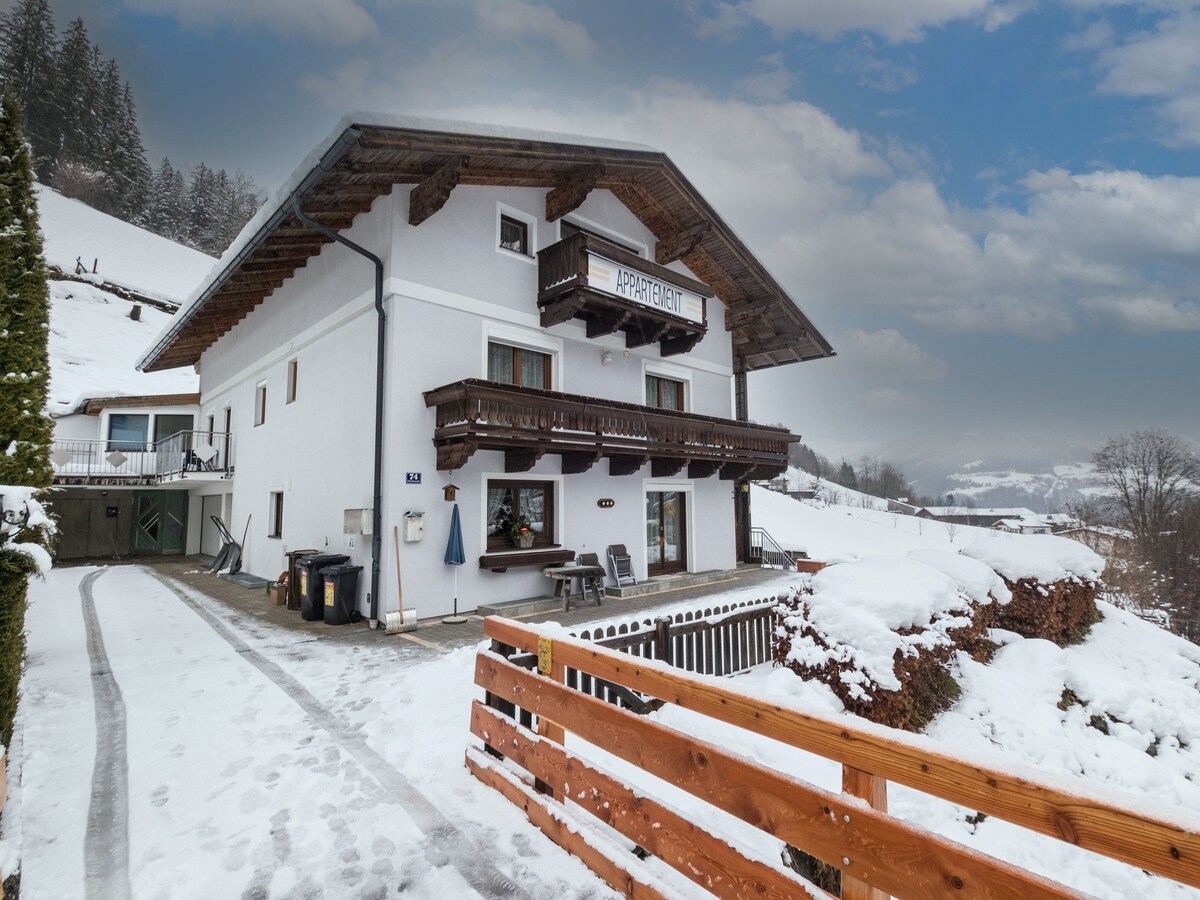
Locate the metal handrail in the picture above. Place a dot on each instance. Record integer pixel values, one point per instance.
(177, 455)
(770, 551)
(193, 451)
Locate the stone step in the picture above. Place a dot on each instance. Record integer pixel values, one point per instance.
(669, 583)
(513, 608)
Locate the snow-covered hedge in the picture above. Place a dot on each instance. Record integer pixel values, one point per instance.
(881, 632)
(1053, 580)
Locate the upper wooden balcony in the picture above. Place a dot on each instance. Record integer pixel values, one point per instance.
(589, 278)
(527, 423)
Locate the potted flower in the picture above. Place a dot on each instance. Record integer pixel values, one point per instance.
(521, 532)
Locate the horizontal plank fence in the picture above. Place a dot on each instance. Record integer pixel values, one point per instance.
(529, 709)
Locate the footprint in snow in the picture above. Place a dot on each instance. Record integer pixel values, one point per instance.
(158, 796)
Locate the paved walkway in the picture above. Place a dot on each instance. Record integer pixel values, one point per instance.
(432, 634)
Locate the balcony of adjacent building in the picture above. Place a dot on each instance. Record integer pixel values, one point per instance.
(180, 459)
(612, 289)
(527, 423)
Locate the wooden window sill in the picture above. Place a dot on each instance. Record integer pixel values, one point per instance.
(502, 562)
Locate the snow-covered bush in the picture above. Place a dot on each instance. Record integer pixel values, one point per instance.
(1054, 582)
(882, 632)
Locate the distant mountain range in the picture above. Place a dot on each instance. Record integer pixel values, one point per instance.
(1043, 475)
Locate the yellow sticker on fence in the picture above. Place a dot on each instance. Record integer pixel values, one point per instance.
(545, 646)
(329, 593)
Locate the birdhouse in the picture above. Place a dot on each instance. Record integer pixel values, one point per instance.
(451, 491)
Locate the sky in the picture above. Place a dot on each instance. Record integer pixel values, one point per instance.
(991, 208)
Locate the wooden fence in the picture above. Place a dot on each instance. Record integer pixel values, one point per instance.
(878, 855)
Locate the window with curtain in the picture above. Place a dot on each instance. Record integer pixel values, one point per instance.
(128, 431)
(510, 502)
(518, 365)
(514, 235)
(664, 393)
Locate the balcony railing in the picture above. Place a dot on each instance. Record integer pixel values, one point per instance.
(614, 290)
(527, 423)
(182, 455)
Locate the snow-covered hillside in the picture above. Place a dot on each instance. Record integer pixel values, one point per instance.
(94, 345)
(123, 254)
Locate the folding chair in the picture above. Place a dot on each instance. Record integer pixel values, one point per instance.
(594, 580)
(621, 564)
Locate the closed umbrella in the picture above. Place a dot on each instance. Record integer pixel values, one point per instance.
(456, 555)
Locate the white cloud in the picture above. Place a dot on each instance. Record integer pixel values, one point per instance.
(894, 20)
(770, 81)
(875, 71)
(1145, 314)
(889, 353)
(331, 21)
(512, 19)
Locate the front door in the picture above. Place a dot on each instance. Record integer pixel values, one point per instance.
(159, 521)
(666, 532)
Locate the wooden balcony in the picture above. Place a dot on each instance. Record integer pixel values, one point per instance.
(526, 424)
(614, 290)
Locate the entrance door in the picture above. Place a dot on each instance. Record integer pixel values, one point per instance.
(666, 532)
(159, 521)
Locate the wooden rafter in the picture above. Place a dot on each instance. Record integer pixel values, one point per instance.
(522, 459)
(645, 334)
(680, 244)
(625, 465)
(607, 322)
(666, 468)
(578, 462)
(682, 344)
(569, 195)
(432, 192)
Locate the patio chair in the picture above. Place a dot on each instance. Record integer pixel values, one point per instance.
(621, 564)
(593, 581)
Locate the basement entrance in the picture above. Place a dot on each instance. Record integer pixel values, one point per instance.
(666, 532)
(159, 521)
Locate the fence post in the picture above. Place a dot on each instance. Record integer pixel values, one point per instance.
(490, 700)
(662, 640)
(547, 729)
(873, 789)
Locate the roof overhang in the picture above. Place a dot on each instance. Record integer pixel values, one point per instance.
(370, 154)
(93, 406)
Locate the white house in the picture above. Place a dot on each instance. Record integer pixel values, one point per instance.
(566, 326)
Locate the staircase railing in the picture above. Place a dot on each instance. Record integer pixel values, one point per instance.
(770, 551)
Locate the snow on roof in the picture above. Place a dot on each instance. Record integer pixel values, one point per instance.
(131, 257)
(94, 345)
(1005, 511)
(1043, 557)
(314, 157)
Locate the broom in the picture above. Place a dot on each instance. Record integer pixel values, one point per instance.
(403, 619)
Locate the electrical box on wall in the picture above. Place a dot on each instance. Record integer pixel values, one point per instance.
(414, 526)
(356, 521)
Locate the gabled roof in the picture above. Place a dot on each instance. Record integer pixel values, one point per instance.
(368, 153)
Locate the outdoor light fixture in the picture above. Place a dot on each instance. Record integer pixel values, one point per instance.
(606, 358)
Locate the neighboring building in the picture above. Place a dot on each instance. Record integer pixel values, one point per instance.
(903, 507)
(569, 328)
(1103, 539)
(1023, 526)
(962, 515)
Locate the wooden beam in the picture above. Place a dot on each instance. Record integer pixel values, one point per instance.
(873, 789)
(665, 468)
(576, 463)
(431, 194)
(750, 314)
(619, 869)
(562, 310)
(1141, 840)
(645, 334)
(680, 244)
(772, 344)
(682, 344)
(569, 195)
(883, 851)
(717, 865)
(607, 321)
(703, 468)
(522, 459)
(736, 471)
(453, 456)
(625, 464)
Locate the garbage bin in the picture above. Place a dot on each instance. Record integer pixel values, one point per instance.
(293, 572)
(341, 593)
(312, 586)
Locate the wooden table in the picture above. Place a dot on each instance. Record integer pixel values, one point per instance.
(587, 576)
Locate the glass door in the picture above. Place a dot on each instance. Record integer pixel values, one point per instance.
(666, 532)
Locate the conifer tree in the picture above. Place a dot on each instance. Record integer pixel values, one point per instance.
(73, 91)
(28, 46)
(25, 428)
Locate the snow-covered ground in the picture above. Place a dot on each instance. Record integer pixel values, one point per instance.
(121, 253)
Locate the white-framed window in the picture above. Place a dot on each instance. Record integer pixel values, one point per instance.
(293, 373)
(524, 356)
(260, 403)
(508, 498)
(666, 386)
(516, 233)
(275, 515)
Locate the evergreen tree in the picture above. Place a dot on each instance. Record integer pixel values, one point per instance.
(25, 428)
(130, 165)
(846, 477)
(73, 91)
(203, 208)
(28, 47)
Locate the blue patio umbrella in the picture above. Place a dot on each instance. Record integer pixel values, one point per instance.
(455, 556)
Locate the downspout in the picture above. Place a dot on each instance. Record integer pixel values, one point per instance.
(380, 333)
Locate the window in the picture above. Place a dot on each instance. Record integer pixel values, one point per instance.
(664, 393)
(260, 403)
(514, 235)
(516, 503)
(275, 515)
(518, 365)
(293, 371)
(567, 229)
(165, 426)
(212, 428)
(128, 432)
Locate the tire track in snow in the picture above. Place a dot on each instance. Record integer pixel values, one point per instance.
(106, 842)
(445, 844)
